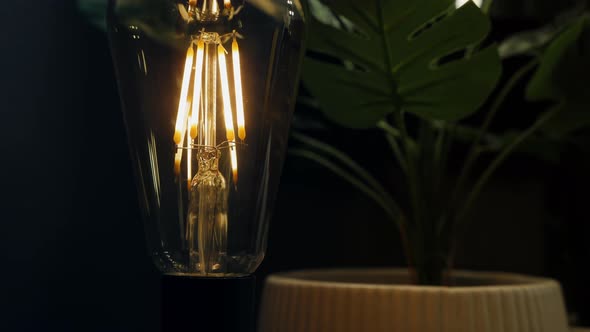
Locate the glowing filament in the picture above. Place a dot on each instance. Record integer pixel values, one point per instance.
(189, 110)
(179, 149)
(227, 3)
(181, 118)
(178, 155)
(238, 86)
(178, 160)
(194, 120)
(227, 112)
(189, 161)
(234, 162)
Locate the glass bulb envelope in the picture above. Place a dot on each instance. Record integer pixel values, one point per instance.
(208, 88)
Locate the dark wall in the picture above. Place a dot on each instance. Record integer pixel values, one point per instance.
(72, 256)
(71, 249)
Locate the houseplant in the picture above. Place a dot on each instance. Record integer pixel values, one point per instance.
(417, 70)
(421, 105)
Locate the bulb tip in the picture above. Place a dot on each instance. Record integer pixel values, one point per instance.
(177, 137)
(194, 132)
(242, 133)
(190, 52)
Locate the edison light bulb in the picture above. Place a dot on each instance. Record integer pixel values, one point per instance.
(208, 88)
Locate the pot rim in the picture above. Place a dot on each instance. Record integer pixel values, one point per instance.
(505, 281)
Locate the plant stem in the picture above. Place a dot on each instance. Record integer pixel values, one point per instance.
(391, 210)
(346, 160)
(498, 161)
(473, 150)
(417, 231)
(391, 135)
(411, 158)
(394, 132)
(388, 205)
(439, 161)
(516, 77)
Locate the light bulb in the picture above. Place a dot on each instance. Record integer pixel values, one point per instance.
(208, 89)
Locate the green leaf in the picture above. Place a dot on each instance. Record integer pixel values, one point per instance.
(532, 42)
(562, 77)
(559, 65)
(527, 42)
(395, 49)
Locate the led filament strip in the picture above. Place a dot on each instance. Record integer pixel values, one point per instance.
(187, 120)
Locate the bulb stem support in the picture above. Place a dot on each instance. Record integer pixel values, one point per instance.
(208, 304)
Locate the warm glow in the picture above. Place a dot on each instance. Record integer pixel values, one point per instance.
(191, 75)
(194, 120)
(238, 85)
(189, 161)
(187, 121)
(227, 112)
(181, 118)
(192, 3)
(214, 7)
(178, 155)
(234, 162)
(180, 150)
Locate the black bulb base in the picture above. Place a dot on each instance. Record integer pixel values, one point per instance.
(208, 304)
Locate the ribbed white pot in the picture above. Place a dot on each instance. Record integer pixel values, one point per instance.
(379, 300)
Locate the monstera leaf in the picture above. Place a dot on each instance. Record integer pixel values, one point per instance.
(400, 55)
(562, 77)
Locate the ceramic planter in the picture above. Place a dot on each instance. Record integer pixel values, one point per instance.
(379, 300)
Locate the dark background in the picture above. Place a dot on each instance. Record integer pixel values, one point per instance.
(72, 255)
